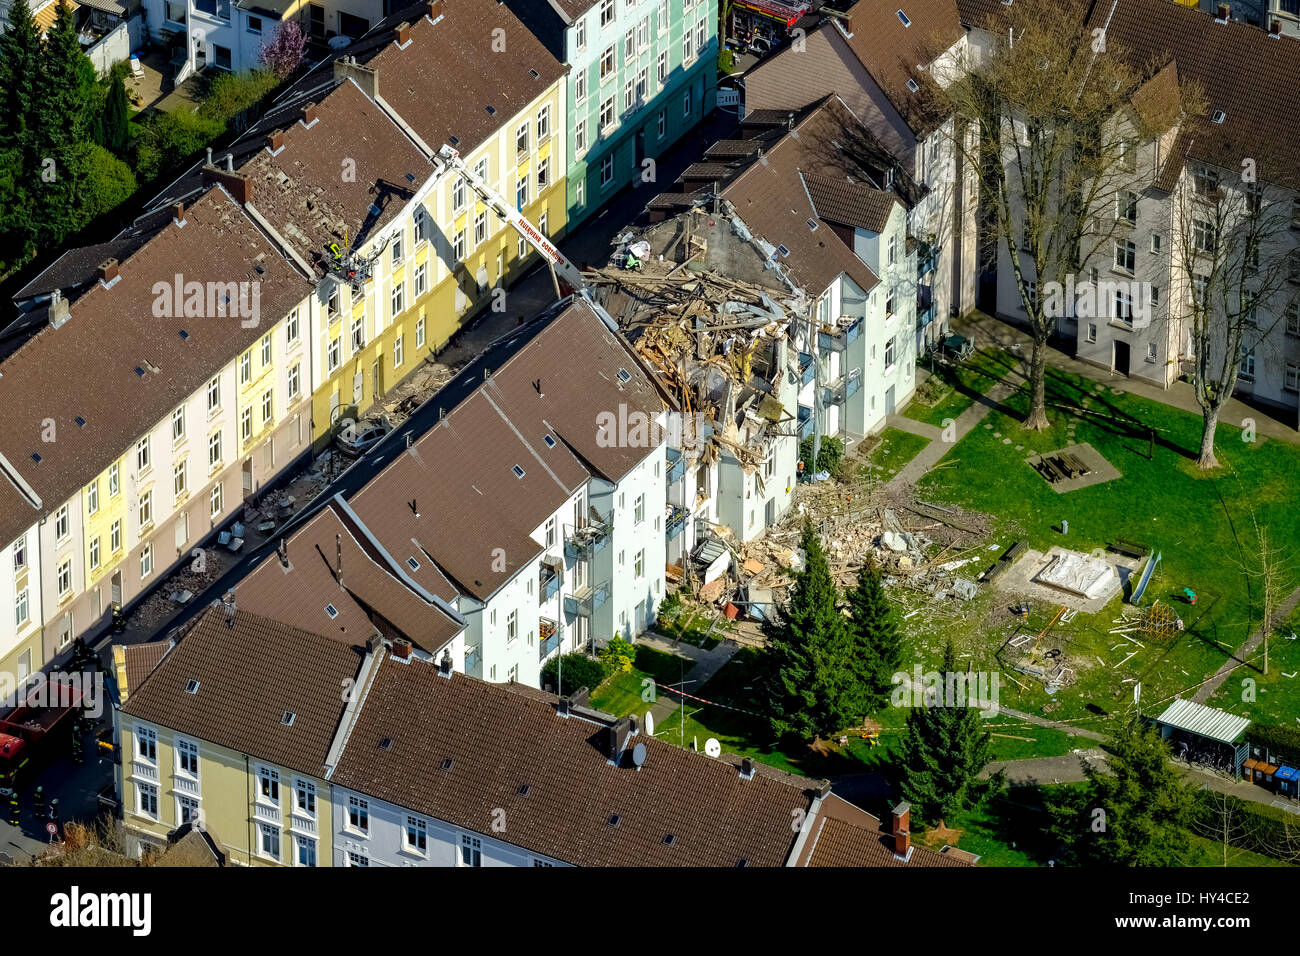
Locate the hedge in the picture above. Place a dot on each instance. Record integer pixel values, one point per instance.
(579, 671)
(1280, 740)
(1256, 827)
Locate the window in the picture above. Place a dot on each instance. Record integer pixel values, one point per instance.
(398, 303)
(295, 382)
(580, 34)
(147, 800)
(521, 193)
(266, 350)
(246, 424)
(146, 744)
(270, 843)
(606, 113)
(688, 47)
(458, 243)
(268, 406)
(1092, 332)
(187, 810)
(606, 12)
(421, 219)
(638, 509)
(1203, 235)
(142, 457)
(1205, 182)
(1126, 206)
(22, 610)
(180, 481)
(145, 511)
(20, 553)
(1156, 241)
(359, 814)
(521, 138)
(607, 170)
(419, 333)
(61, 523)
(629, 96)
(246, 368)
(1293, 317)
(1151, 351)
(292, 329)
(94, 554)
(458, 195)
(663, 123)
(480, 221)
(332, 303)
(268, 785)
(357, 859)
(1291, 380)
(335, 356)
(178, 426)
(891, 348)
(629, 45)
(1123, 307)
(471, 851)
(398, 357)
(214, 450)
(643, 33)
(1128, 154)
(642, 85)
(1125, 256)
(580, 137)
(543, 180)
(1031, 295)
(580, 87)
(1247, 366)
(608, 63)
(686, 103)
(146, 561)
(417, 835)
(214, 394)
(187, 757)
(306, 850)
(663, 16)
(662, 69)
(115, 537)
(701, 35)
(64, 577)
(397, 256)
(512, 626)
(421, 279)
(544, 123)
(1201, 291)
(638, 564)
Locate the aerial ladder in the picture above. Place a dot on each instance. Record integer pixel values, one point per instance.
(567, 277)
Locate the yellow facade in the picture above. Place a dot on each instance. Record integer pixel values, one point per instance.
(98, 524)
(228, 792)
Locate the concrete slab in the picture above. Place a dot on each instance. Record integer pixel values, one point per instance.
(1019, 580)
(1100, 470)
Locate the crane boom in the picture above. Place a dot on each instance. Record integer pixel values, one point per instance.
(566, 272)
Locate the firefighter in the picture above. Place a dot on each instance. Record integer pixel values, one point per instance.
(38, 799)
(13, 808)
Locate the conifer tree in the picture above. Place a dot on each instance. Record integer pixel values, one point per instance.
(876, 653)
(19, 65)
(64, 93)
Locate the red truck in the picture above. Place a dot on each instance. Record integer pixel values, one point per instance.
(31, 731)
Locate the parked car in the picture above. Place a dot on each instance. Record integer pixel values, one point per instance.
(360, 438)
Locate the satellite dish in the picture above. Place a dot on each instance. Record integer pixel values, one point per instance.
(712, 747)
(649, 723)
(638, 754)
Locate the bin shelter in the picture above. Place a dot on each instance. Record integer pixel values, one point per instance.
(1206, 735)
(1288, 778)
(1259, 772)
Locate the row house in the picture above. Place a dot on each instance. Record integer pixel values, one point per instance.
(641, 74)
(879, 63)
(1278, 17)
(181, 373)
(239, 730)
(402, 252)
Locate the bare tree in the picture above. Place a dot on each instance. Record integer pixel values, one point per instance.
(1047, 123)
(1232, 248)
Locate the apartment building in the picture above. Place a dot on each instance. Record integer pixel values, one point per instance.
(157, 395)
(878, 63)
(230, 34)
(1274, 16)
(527, 507)
(231, 728)
(641, 74)
(1198, 183)
(402, 252)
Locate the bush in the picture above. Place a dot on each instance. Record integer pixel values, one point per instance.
(168, 139)
(579, 671)
(109, 181)
(230, 94)
(726, 61)
(1281, 741)
(618, 655)
(1262, 829)
(828, 459)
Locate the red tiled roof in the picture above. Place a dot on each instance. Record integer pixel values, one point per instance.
(845, 836)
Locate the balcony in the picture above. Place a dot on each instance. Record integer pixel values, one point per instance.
(924, 306)
(805, 421)
(471, 659)
(587, 539)
(927, 257)
(806, 368)
(549, 632)
(587, 600)
(676, 466)
(676, 521)
(549, 578)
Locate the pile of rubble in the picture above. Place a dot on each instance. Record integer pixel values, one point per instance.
(400, 402)
(182, 586)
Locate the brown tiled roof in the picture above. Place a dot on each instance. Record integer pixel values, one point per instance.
(850, 203)
(140, 660)
(87, 368)
(500, 741)
(370, 593)
(845, 836)
(460, 474)
(1241, 70)
(891, 52)
(475, 56)
(301, 189)
(250, 673)
(78, 267)
(770, 198)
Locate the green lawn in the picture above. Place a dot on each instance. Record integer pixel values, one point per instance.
(956, 387)
(1201, 523)
(1210, 853)
(692, 627)
(895, 449)
(1277, 696)
(621, 694)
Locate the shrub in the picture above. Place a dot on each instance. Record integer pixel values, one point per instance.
(1282, 741)
(578, 671)
(168, 139)
(109, 181)
(726, 61)
(618, 655)
(828, 458)
(230, 94)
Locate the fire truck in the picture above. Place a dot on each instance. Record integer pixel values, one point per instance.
(33, 731)
(760, 26)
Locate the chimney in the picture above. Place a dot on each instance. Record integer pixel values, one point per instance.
(401, 649)
(562, 708)
(309, 114)
(444, 665)
(617, 734)
(230, 162)
(209, 155)
(364, 76)
(402, 35)
(276, 140)
(1275, 28)
(283, 552)
(902, 817)
(580, 697)
(237, 184)
(747, 769)
(435, 9)
(229, 607)
(1225, 11)
(902, 844)
(107, 270)
(178, 211)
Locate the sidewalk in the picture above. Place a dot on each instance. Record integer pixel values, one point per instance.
(707, 663)
(987, 330)
(930, 455)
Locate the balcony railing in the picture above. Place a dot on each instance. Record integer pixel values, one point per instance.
(549, 632)
(805, 421)
(676, 466)
(588, 539)
(676, 521)
(471, 660)
(806, 368)
(924, 306)
(548, 581)
(587, 600)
